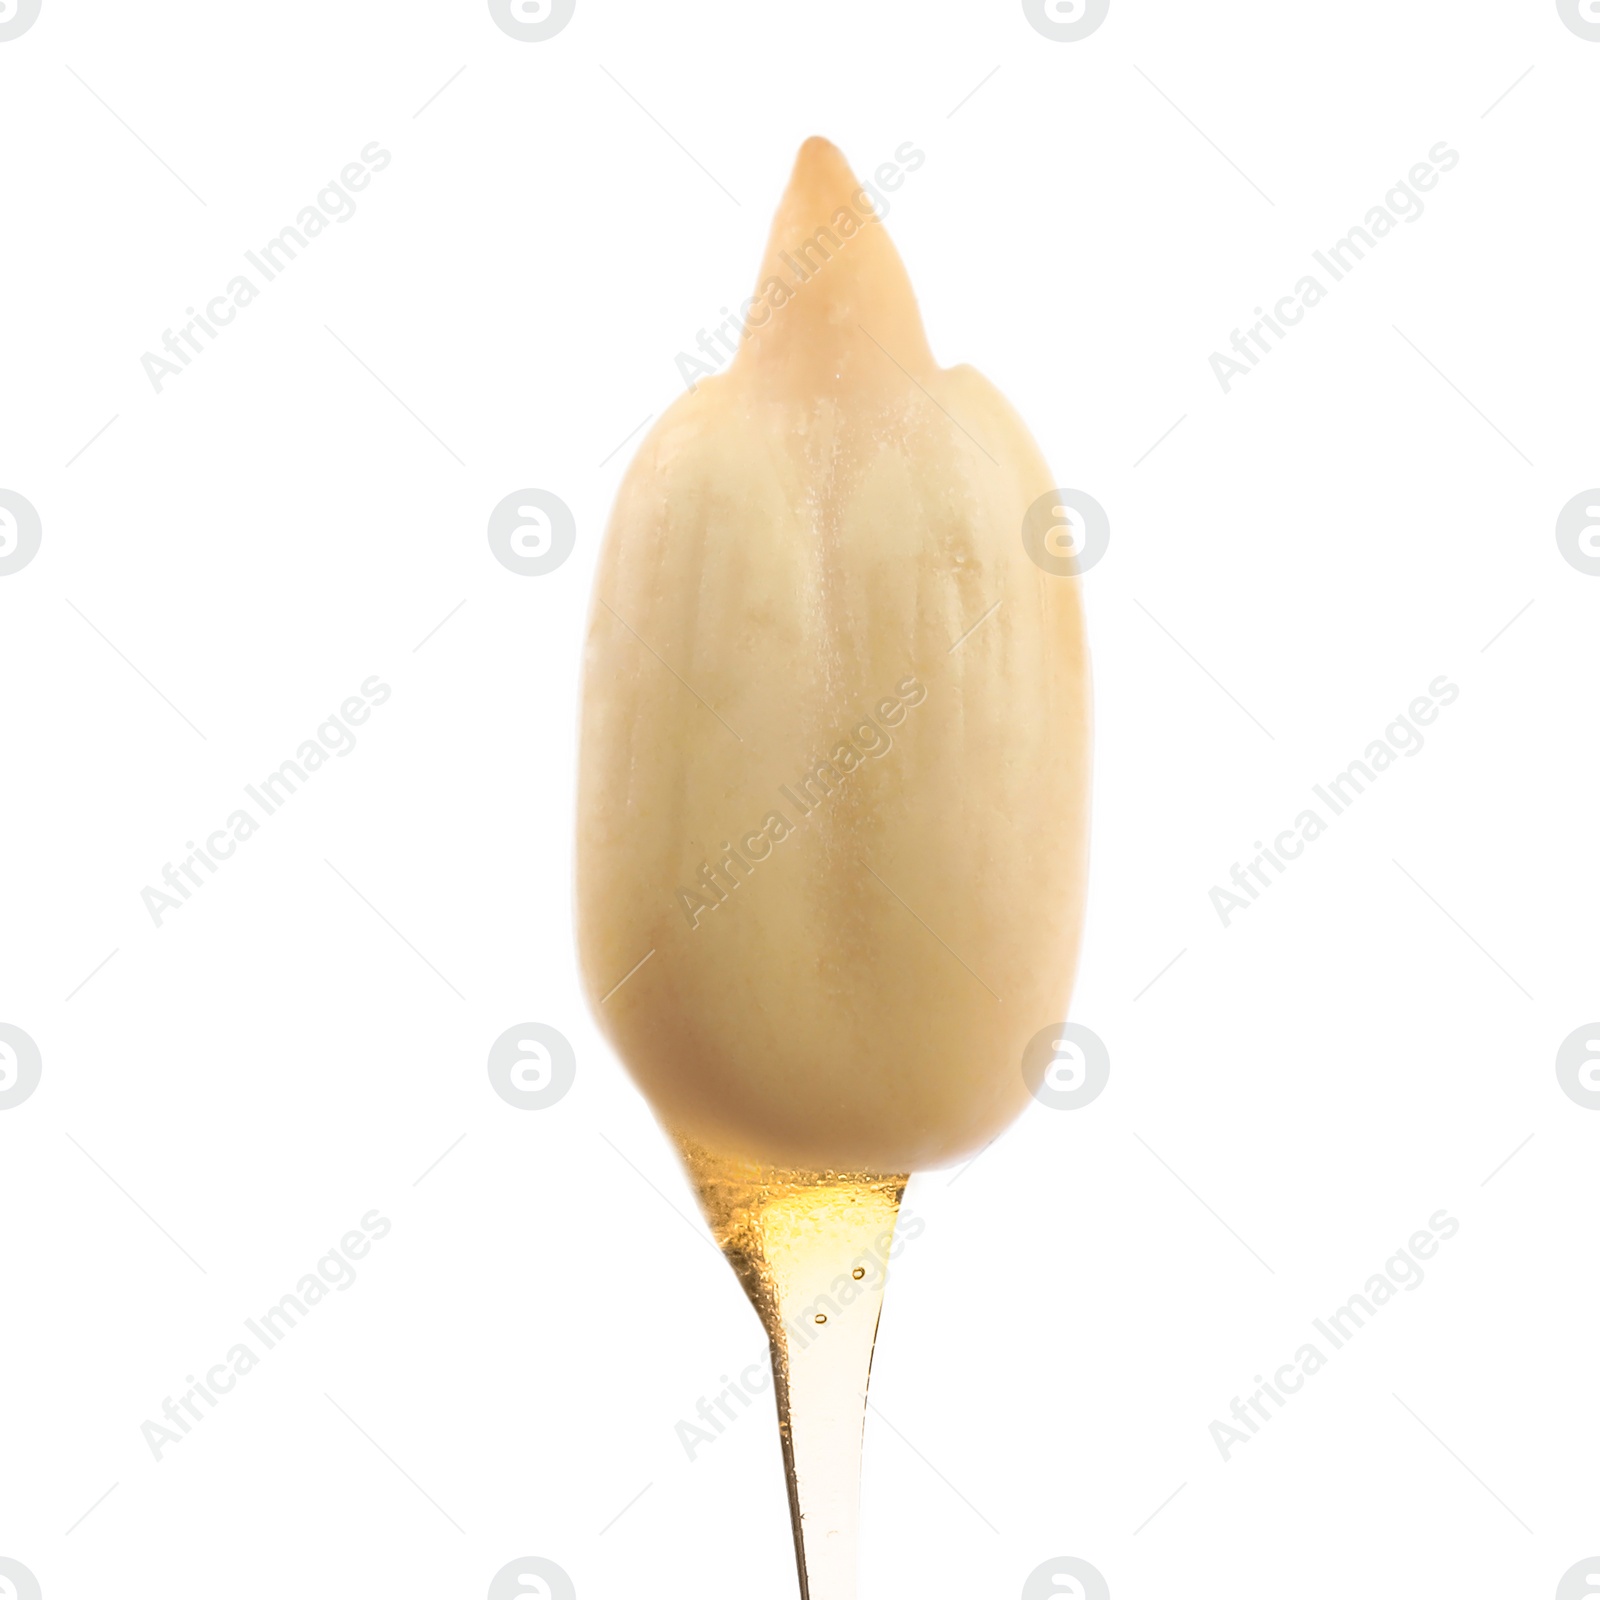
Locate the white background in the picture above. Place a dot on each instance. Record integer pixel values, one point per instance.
(1369, 509)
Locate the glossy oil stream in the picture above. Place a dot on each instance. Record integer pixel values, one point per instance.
(810, 1248)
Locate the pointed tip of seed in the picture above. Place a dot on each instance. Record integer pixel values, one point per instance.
(817, 154)
(833, 305)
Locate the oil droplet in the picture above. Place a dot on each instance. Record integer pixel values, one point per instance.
(788, 1233)
(860, 1272)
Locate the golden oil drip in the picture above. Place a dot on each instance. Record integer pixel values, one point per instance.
(795, 1239)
